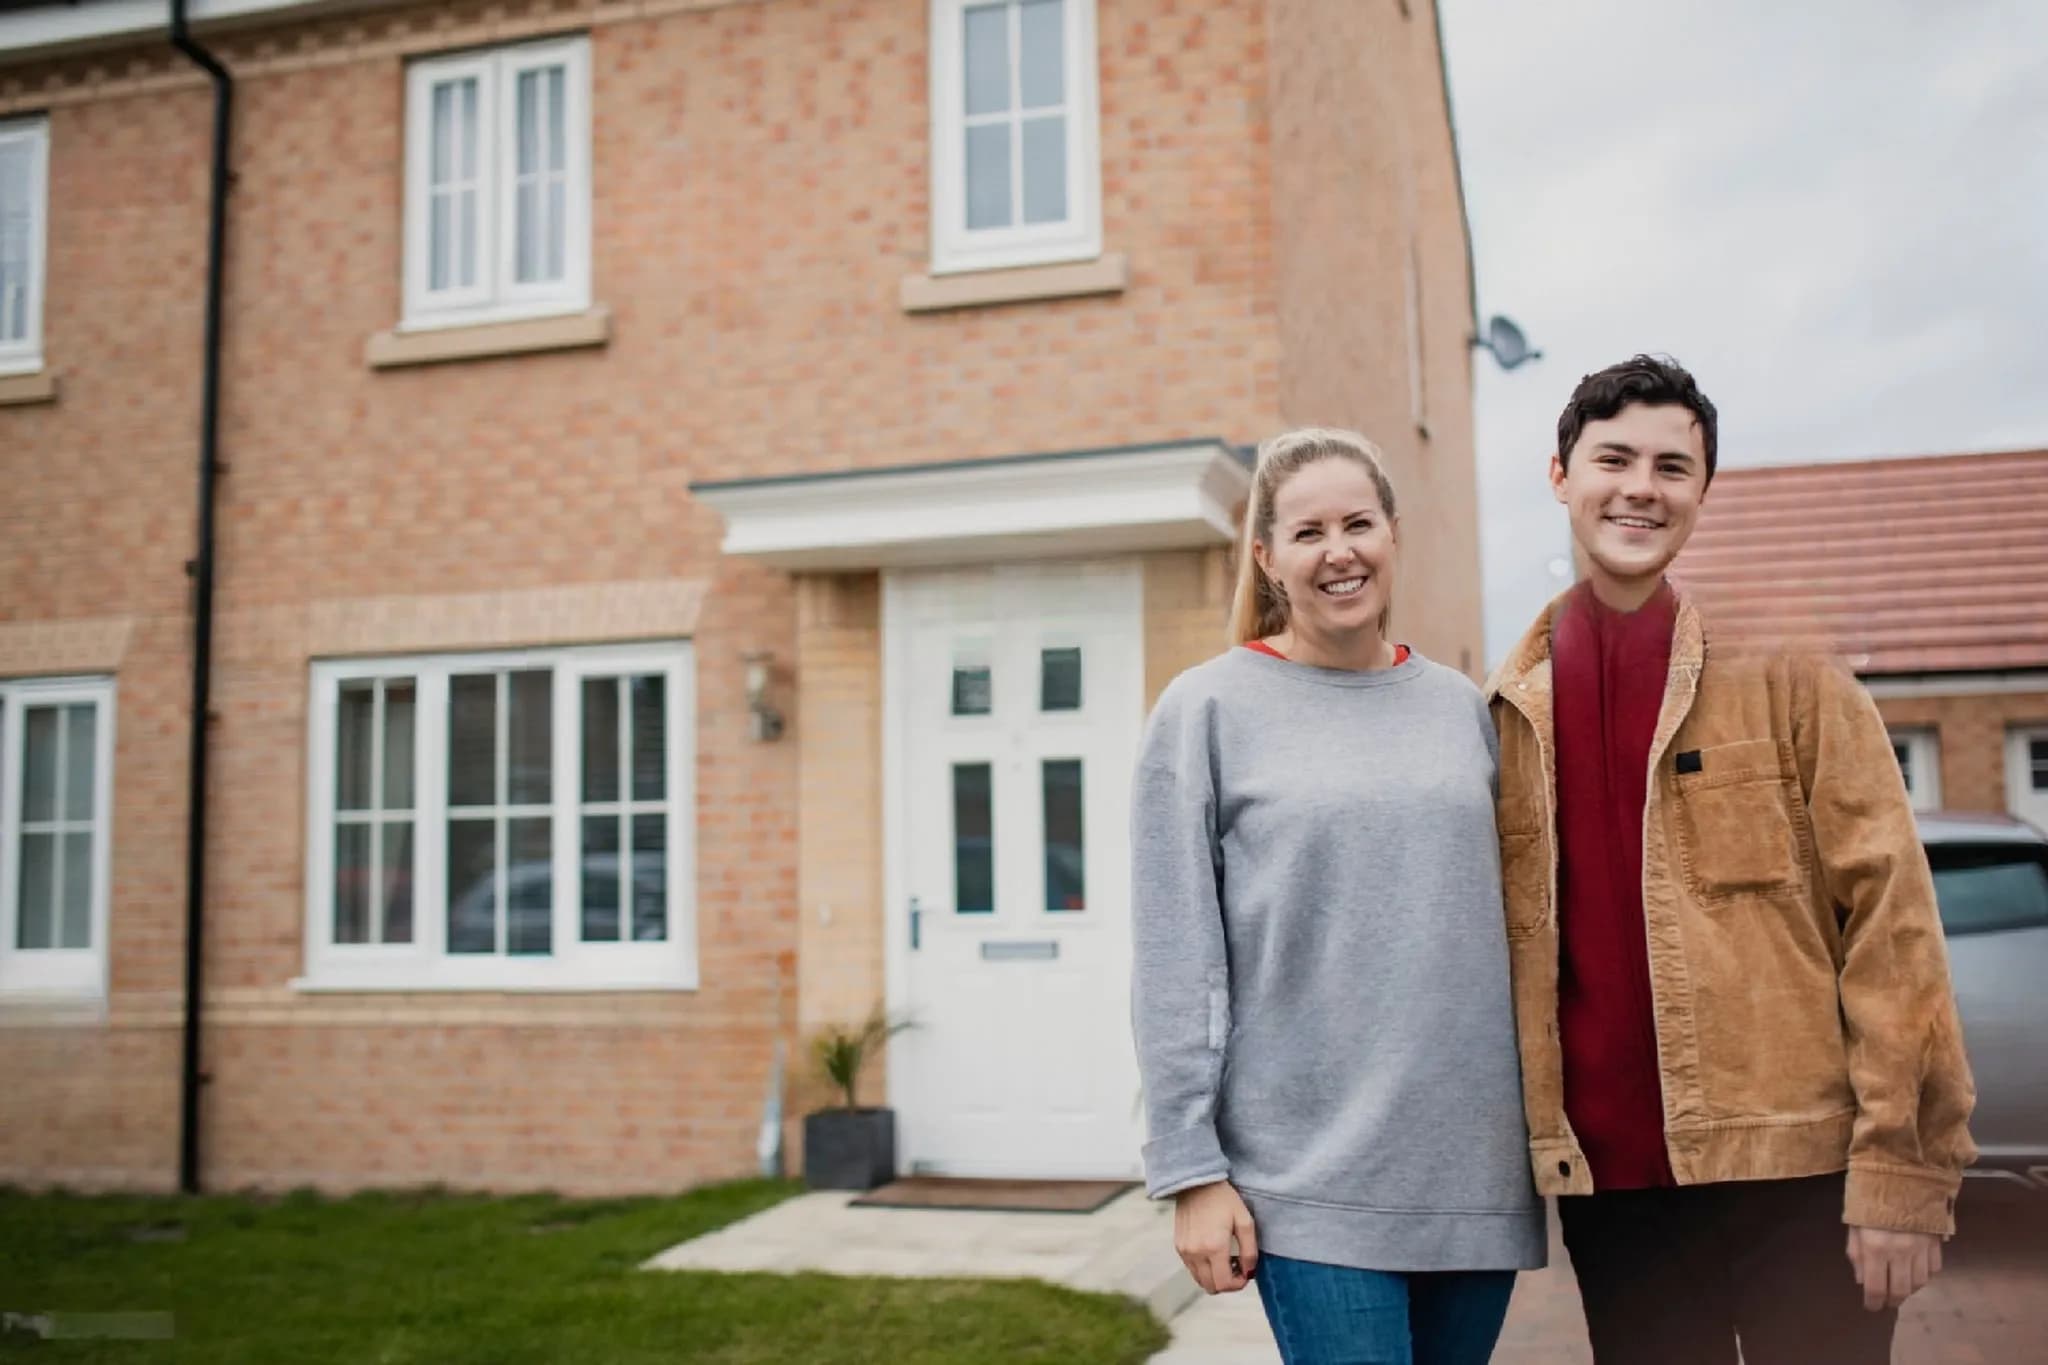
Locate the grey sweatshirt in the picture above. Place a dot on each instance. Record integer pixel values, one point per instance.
(1320, 987)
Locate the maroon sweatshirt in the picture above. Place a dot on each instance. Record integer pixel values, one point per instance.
(1609, 671)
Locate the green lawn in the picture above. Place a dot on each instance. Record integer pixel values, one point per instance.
(392, 1279)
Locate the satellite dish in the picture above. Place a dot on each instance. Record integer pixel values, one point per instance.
(1505, 340)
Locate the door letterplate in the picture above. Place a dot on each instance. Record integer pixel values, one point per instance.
(1040, 950)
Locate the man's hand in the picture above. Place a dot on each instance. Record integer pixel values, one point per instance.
(1212, 1231)
(1892, 1266)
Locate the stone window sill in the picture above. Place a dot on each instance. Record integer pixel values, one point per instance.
(569, 331)
(1108, 274)
(38, 386)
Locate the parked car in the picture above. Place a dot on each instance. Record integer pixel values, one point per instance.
(1991, 879)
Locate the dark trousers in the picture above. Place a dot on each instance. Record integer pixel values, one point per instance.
(1676, 1276)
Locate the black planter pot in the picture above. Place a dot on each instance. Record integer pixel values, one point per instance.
(849, 1149)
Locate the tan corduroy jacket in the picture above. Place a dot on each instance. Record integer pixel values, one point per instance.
(1799, 979)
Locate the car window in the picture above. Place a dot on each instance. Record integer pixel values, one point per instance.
(1983, 888)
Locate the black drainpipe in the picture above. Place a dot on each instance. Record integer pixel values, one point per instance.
(201, 570)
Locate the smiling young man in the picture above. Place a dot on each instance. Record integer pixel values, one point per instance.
(1731, 989)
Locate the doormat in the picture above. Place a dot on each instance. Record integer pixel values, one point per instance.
(994, 1196)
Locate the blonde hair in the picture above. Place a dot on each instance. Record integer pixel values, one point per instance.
(1259, 607)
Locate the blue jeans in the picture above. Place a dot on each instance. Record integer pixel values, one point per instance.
(1335, 1315)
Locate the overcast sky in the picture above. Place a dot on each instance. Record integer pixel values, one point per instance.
(1834, 212)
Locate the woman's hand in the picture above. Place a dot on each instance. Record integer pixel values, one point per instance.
(1891, 1266)
(1212, 1231)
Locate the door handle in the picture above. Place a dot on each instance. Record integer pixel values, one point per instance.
(916, 924)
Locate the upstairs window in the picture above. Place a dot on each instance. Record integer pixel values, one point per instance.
(1016, 171)
(497, 161)
(24, 214)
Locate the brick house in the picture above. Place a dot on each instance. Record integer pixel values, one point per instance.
(1928, 574)
(708, 491)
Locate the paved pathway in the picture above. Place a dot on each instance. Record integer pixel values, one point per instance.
(1989, 1308)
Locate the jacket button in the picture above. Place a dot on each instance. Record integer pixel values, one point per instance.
(1564, 1168)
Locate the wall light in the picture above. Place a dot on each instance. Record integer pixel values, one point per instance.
(766, 720)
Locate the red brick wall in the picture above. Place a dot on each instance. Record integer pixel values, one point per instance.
(760, 192)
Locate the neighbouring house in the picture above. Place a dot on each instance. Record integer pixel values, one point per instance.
(1931, 576)
(707, 491)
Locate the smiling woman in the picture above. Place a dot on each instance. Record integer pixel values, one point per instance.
(1316, 567)
(1314, 862)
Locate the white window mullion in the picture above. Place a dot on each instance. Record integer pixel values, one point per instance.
(430, 804)
(565, 844)
(500, 794)
(11, 736)
(1013, 20)
(377, 723)
(56, 826)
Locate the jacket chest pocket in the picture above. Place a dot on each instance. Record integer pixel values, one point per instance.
(1739, 833)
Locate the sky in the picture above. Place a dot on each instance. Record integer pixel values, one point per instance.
(1834, 212)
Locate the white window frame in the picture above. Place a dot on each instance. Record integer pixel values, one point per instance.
(956, 248)
(69, 973)
(573, 965)
(497, 296)
(25, 355)
(2022, 798)
(1923, 764)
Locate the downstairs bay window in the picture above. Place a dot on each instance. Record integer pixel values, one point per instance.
(507, 821)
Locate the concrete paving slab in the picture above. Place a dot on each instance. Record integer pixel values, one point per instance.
(1125, 1247)
(1224, 1329)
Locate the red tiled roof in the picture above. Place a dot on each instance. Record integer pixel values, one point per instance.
(1931, 565)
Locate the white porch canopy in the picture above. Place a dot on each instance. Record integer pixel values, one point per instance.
(1070, 503)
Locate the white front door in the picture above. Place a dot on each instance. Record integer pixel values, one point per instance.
(2026, 775)
(1016, 695)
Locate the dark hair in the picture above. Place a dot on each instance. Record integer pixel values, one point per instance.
(1654, 381)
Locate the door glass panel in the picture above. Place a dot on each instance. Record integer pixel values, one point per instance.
(2037, 755)
(973, 686)
(1059, 680)
(1066, 877)
(974, 874)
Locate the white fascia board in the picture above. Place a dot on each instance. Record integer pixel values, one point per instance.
(48, 29)
(1173, 497)
(1972, 684)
